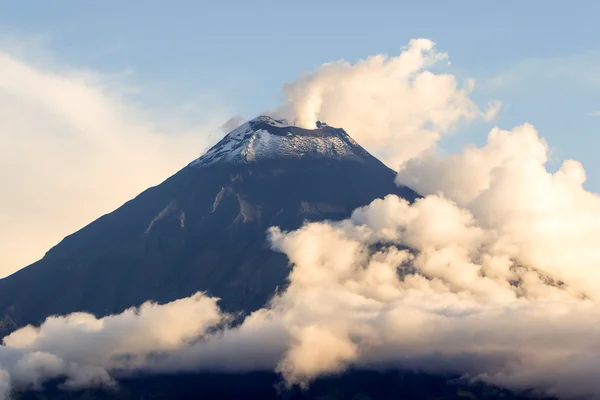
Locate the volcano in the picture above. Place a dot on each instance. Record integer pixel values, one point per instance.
(204, 228)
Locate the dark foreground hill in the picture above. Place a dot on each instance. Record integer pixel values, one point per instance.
(354, 385)
(205, 227)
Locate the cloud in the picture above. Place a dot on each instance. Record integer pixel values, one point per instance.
(4, 384)
(135, 331)
(456, 302)
(73, 146)
(231, 124)
(85, 349)
(594, 114)
(546, 220)
(575, 70)
(394, 106)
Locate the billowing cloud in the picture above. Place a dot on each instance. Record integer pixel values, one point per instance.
(85, 349)
(394, 106)
(135, 331)
(72, 147)
(543, 220)
(454, 302)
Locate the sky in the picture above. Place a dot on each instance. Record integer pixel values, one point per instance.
(181, 70)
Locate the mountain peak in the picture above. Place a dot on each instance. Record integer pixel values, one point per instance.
(266, 138)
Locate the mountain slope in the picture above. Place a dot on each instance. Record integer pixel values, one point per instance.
(204, 228)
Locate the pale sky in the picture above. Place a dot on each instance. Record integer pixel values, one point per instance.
(135, 90)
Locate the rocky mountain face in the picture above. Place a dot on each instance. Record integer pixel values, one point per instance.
(205, 227)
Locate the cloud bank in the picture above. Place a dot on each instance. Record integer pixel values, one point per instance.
(439, 296)
(456, 302)
(492, 275)
(74, 146)
(86, 350)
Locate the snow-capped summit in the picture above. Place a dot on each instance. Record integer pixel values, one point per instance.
(265, 138)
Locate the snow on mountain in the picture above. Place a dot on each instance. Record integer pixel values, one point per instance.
(266, 138)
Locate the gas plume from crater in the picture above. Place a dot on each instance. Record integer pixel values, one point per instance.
(396, 107)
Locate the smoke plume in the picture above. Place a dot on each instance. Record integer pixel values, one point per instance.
(393, 106)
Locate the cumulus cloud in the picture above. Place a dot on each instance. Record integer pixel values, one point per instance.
(85, 349)
(455, 302)
(544, 220)
(74, 146)
(394, 106)
(135, 331)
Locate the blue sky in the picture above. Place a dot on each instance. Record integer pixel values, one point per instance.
(208, 61)
(240, 52)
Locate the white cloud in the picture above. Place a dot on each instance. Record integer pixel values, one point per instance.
(594, 114)
(72, 147)
(546, 220)
(85, 349)
(577, 69)
(135, 331)
(464, 305)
